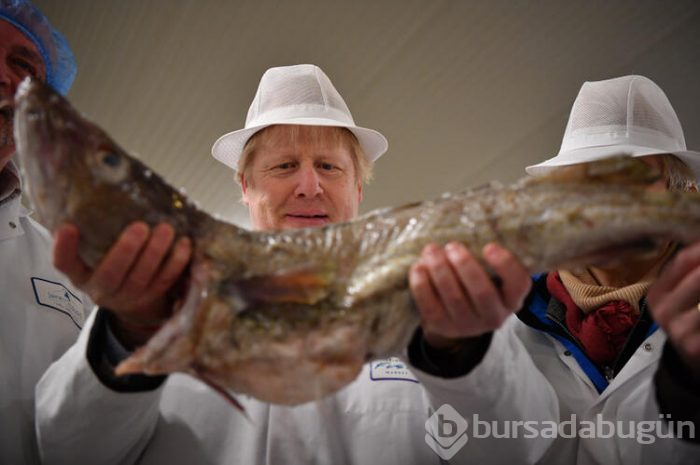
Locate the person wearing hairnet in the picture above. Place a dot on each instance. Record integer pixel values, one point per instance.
(301, 161)
(41, 312)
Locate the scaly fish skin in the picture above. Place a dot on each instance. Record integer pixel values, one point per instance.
(291, 316)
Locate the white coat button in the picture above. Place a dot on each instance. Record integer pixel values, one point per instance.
(567, 353)
(12, 224)
(648, 347)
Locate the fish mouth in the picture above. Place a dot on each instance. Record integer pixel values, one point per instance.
(35, 125)
(43, 155)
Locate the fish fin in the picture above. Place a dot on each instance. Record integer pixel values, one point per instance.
(199, 374)
(172, 347)
(169, 350)
(300, 286)
(621, 169)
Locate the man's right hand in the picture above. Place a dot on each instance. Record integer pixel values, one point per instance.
(133, 278)
(456, 297)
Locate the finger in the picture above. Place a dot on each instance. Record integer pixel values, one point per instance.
(438, 329)
(685, 261)
(684, 334)
(483, 294)
(65, 254)
(691, 347)
(173, 267)
(115, 265)
(149, 260)
(667, 302)
(515, 280)
(429, 305)
(684, 327)
(445, 279)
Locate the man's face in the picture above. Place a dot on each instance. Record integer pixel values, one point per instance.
(19, 58)
(302, 181)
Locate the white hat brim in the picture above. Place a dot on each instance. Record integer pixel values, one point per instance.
(229, 147)
(589, 154)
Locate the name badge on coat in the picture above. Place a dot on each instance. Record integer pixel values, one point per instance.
(390, 369)
(58, 297)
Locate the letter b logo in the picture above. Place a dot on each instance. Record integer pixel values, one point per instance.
(446, 428)
(446, 432)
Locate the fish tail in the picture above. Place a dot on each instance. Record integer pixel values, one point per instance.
(132, 365)
(169, 350)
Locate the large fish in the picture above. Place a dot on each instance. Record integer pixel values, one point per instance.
(291, 316)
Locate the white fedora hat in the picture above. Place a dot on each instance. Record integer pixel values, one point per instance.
(629, 115)
(299, 94)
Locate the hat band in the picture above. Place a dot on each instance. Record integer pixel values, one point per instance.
(651, 139)
(290, 113)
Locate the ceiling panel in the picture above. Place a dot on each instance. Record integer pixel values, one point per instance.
(465, 91)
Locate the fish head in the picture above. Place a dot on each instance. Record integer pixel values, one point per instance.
(56, 151)
(74, 172)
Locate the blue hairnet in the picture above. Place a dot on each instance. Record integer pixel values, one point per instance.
(54, 49)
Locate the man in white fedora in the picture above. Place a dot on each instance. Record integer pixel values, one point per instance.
(301, 161)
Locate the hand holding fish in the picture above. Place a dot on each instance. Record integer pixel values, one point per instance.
(673, 300)
(456, 297)
(132, 280)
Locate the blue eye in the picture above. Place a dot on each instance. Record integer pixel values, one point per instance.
(110, 166)
(111, 159)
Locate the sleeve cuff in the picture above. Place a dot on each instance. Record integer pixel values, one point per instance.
(677, 392)
(104, 352)
(447, 363)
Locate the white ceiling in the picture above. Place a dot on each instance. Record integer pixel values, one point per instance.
(465, 91)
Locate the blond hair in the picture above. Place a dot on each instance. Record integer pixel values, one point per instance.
(340, 136)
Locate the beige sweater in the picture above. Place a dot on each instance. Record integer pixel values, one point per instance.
(589, 295)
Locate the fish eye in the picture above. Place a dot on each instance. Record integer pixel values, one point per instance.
(111, 159)
(110, 166)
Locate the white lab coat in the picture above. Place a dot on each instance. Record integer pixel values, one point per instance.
(41, 315)
(630, 396)
(526, 375)
(377, 419)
